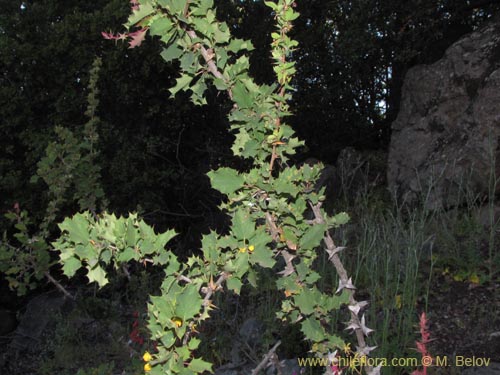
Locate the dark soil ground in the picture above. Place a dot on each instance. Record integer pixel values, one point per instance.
(464, 320)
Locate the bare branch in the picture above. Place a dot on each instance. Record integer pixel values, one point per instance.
(266, 359)
(58, 285)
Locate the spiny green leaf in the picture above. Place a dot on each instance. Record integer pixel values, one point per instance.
(194, 343)
(226, 180)
(241, 95)
(198, 365)
(263, 256)
(98, 275)
(341, 218)
(220, 84)
(163, 238)
(70, 266)
(76, 228)
(313, 330)
(182, 84)
(130, 237)
(243, 226)
(304, 302)
(234, 284)
(160, 26)
(188, 302)
(209, 246)
(237, 45)
(85, 252)
(172, 52)
(127, 255)
(313, 236)
(202, 8)
(242, 138)
(137, 15)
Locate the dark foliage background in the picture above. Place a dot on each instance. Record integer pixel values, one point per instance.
(154, 149)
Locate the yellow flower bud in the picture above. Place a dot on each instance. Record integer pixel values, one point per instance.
(243, 249)
(177, 321)
(147, 357)
(147, 367)
(251, 248)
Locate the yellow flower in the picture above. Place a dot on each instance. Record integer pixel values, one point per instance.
(474, 279)
(251, 248)
(243, 249)
(147, 367)
(177, 321)
(397, 302)
(147, 357)
(347, 348)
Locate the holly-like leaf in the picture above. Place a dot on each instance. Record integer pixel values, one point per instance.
(164, 238)
(313, 236)
(160, 26)
(226, 180)
(199, 365)
(85, 252)
(98, 275)
(237, 45)
(284, 184)
(194, 343)
(137, 37)
(182, 83)
(188, 302)
(340, 219)
(127, 254)
(171, 53)
(131, 234)
(304, 302)
(70, 266)
(234, 284)
(313, 330)
(137, 15)
(209, 247)
(242, 138)
(220, 84)
(243, 227)
(77, 228)
(242, 96)
(241, 264)
(263, 256)
(335, 341)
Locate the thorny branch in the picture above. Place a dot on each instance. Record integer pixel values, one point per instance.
(355, 322)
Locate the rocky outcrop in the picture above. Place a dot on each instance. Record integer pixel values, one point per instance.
(445, 140)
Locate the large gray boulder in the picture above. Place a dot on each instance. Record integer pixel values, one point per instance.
(445, 139)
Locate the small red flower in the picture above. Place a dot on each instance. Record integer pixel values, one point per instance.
(135, 336)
